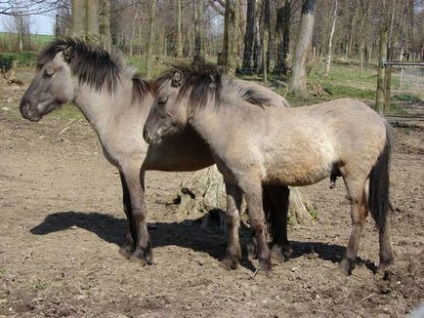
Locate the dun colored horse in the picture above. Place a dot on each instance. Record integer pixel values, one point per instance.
(116, 101)
(255, 144)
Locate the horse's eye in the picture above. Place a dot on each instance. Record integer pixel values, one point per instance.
(48, 73)
(162, 101)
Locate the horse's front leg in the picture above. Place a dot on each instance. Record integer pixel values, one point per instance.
(232, 215)
(128, 248)
(359, 212)
(142, 248)
(253, 195)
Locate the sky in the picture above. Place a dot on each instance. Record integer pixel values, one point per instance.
(40, 24)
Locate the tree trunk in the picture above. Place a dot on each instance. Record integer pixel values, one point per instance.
(105, 34)
(93, 21)
(266, 39)
(179, 32)
(249, 38)
(149, 55)
(204, 193)
(330, 41)
(282, 30)
(199, 51)
(225, 56)
(78, 21)
(297, 82)
(234, 59)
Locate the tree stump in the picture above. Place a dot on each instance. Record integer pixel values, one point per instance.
(202, 197)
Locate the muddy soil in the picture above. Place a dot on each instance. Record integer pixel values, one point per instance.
(62, 224)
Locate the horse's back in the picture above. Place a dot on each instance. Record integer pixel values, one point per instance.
(301, 145)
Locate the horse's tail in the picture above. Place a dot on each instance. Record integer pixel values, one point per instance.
(379, 201)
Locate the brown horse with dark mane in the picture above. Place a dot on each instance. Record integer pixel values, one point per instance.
(115, 99)
(258, 144)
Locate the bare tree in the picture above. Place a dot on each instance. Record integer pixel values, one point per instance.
(78, 24)
(249, 37)
(330, 41)
(297, 82)
(105, 34)
(179, 31)
(149, 55)
(199, 51)
(93, 20)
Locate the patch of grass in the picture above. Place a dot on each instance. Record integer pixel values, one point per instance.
(406, 97)
(349, 91)
(2, 272)
(37, 284)
(313, 213)
(68, 111)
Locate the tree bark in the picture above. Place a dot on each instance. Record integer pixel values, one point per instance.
(78, 21)
(199, 50)
(249, 38)
(283, 33)
(105, 34)
(149, 55)
(234, 45)
(93, 21)
(330, 41)
(179, 34)
(297, 82)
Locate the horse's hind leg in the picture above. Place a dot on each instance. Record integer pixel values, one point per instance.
(232, 215)
(278, 197)
(386, 253)
(128, 248)
(359, 212)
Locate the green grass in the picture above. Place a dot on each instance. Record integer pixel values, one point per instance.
(68, 111)
(37, 284)
(313, 213)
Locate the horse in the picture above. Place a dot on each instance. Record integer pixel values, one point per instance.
(115, 100)
(254, 145)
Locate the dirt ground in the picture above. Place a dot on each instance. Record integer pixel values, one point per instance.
(62, 224)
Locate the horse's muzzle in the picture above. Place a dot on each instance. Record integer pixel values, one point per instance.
(151, 138)
(29, 113)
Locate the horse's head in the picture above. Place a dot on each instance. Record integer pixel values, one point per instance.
(180, 92)
(61, 67)
(167, 115)
(52, 86)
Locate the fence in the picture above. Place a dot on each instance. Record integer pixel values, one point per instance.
(405, 80)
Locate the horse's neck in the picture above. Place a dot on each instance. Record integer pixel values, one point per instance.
(100, 107)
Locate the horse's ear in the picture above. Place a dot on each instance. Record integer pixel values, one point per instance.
(176, 79)
(68, 53)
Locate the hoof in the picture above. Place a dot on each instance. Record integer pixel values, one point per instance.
(126, 250)
(278, 254)
(252, 250)
(265, 266)
(346, 266)
(384, 268)
(142, 257)
(281, 252)
(230, 263)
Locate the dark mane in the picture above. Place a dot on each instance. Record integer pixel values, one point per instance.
(91, 64)
(202, 80)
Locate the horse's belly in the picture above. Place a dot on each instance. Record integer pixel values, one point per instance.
(298, 173)
(296, 179)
